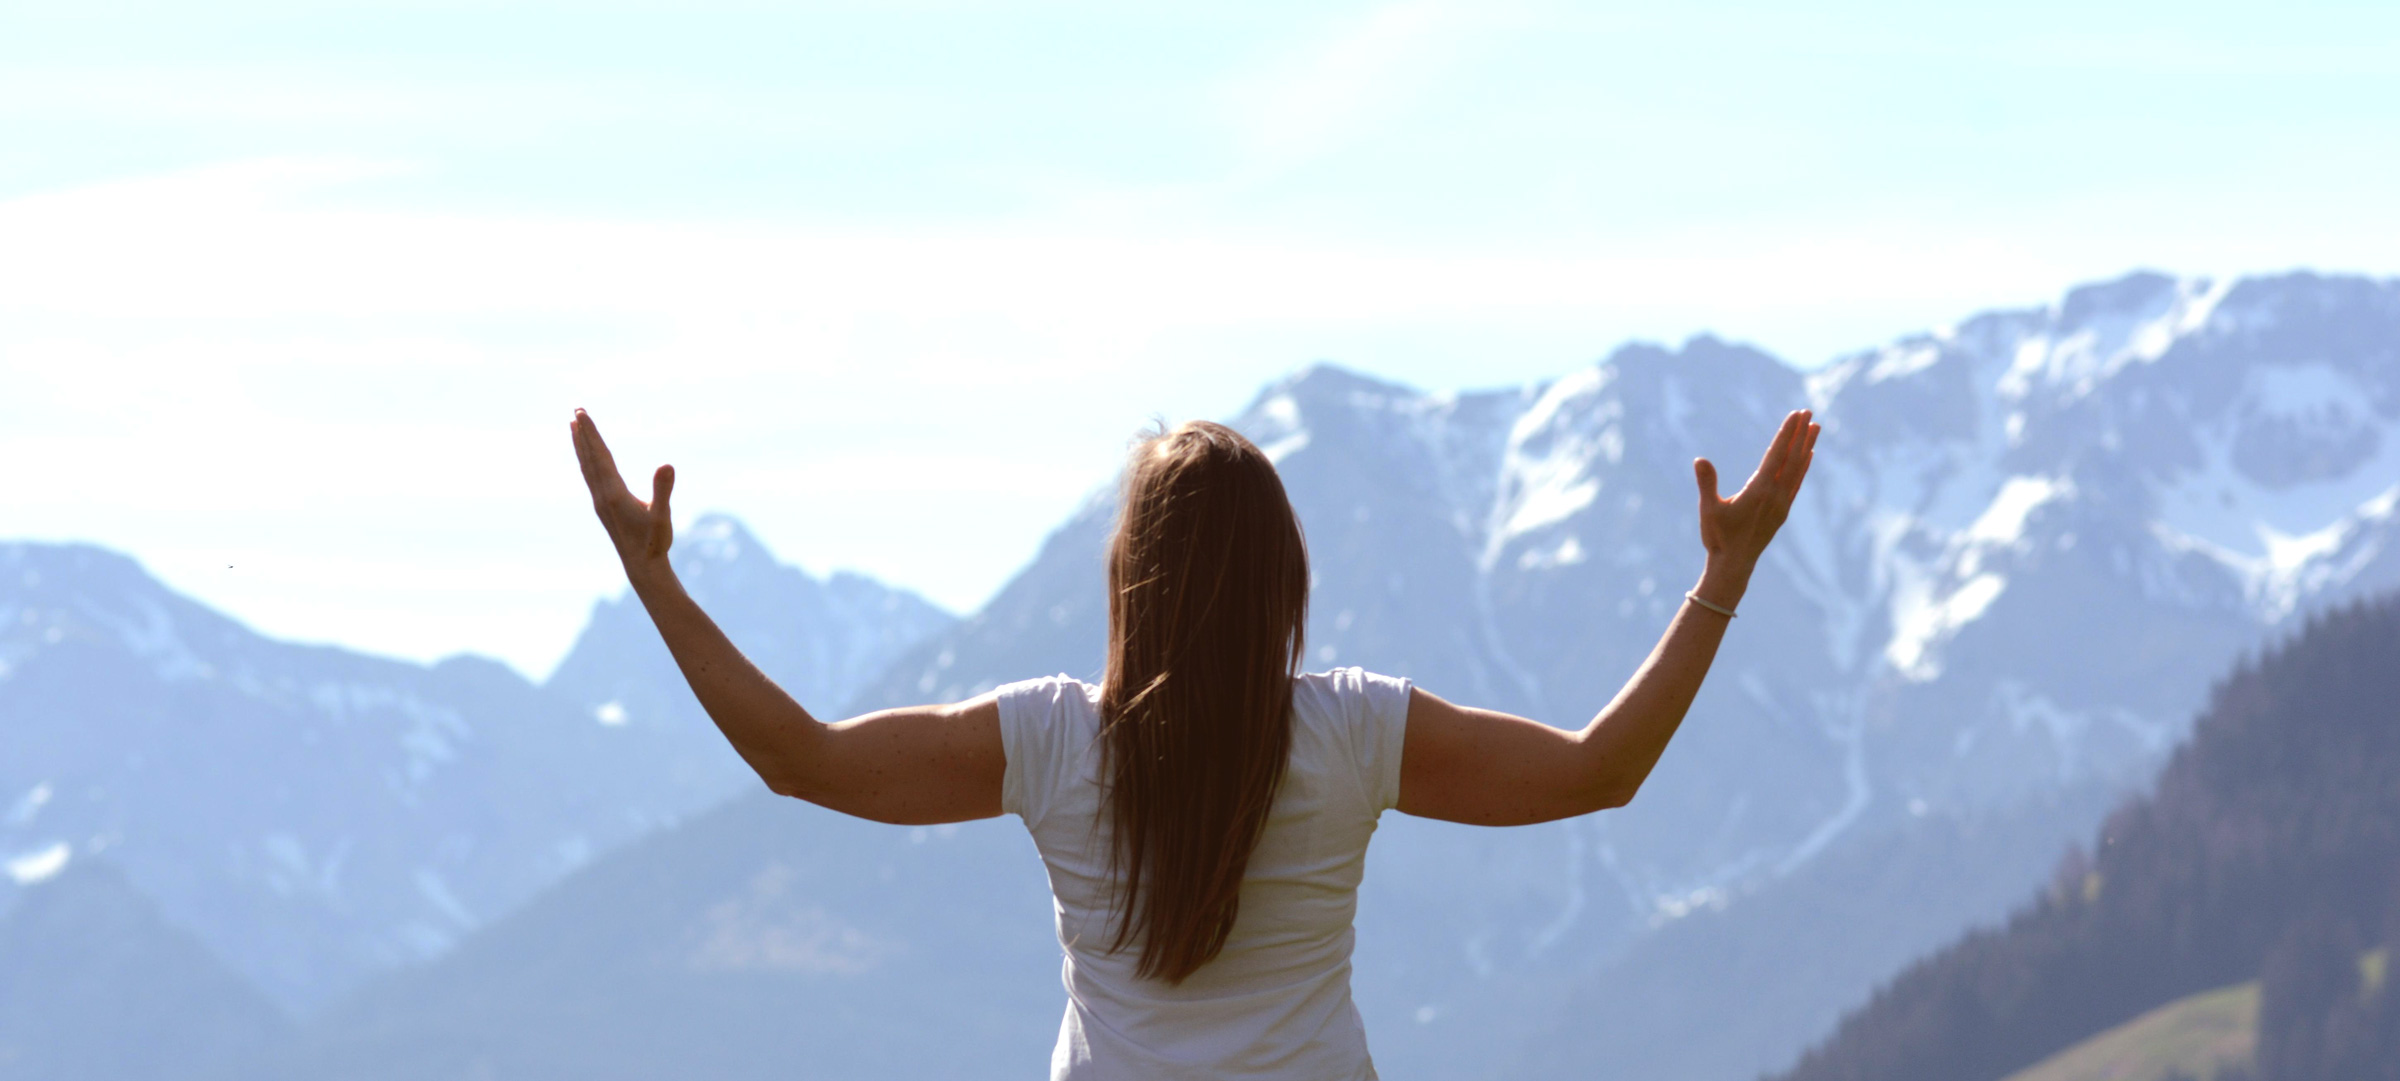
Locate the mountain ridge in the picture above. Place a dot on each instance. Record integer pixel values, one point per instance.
(2007, 583)
(2276, 818)
(314, 814)
(1913, 645)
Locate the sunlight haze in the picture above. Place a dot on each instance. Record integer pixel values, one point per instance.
(296, 300)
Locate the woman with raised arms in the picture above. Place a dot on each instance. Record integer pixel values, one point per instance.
(1204, 809)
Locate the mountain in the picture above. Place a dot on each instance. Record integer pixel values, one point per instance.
(95, 983)
(2031, 541)
(2073, 518)
(1727, 991)
(2268, 850)
(314, 815)
(764, 939)
(2028, 541)
(822, 639)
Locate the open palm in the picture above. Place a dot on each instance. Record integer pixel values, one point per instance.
(641, 531)
(1740, 527)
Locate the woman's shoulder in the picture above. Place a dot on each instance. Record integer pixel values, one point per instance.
(1350, 695)
(1349, 681)
(1048, 695)
(1061, 683)
(1354, 716)
(1048, 727)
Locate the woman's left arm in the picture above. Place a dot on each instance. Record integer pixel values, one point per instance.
(915, 766)
(1489, 768)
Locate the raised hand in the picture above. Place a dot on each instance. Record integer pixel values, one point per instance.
(641, 531)
(1739, 528)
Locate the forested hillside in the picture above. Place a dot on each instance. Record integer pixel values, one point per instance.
(2269, 850)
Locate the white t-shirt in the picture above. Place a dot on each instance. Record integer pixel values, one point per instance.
(1276, 1002)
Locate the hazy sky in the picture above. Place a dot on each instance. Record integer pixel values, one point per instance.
(295, 299)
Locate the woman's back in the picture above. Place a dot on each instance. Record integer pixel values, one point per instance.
(1275, 1003)
(1240, 826)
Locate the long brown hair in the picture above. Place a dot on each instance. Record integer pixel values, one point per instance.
(1208, 593)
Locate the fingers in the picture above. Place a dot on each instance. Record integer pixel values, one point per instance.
(599, 466)
(584, 459)
(1770, 464)
(1808, 453)
(590, 430)
(591, 452)
(1787, 486)
(1706, 472)
(1782, 467)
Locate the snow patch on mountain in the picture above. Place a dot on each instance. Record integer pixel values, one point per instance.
(27, 868)
(2099, 330)
(2003, 522)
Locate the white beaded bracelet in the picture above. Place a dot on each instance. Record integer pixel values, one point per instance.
(1717, 608)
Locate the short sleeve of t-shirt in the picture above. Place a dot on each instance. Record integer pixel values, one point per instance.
(1372, 713)
(1037, 734)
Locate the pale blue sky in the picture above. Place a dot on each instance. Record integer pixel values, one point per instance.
(309, 289)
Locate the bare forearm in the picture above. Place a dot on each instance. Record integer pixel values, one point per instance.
(1626, 739)
(765, 725)
(918, 765)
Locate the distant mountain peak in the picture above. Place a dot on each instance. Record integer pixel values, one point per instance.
(718, 537)
(1313, 389)
(2137, 292)
(1701, 353)
(1323, 377)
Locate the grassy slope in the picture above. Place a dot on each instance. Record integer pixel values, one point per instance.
(2199, 1035)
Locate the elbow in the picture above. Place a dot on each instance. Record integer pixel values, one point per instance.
(1616, 794)
(784, 775)
(852, 803)
(781, 784)
(1564, 805)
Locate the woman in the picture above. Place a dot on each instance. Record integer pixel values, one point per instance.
(1204, 811)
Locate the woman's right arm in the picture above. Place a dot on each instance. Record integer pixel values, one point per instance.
(915, 766)
(1488, 768)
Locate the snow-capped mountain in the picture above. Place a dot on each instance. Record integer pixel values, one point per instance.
(2075, 513)
(2029, 542)
(315, 815)
(822, 639)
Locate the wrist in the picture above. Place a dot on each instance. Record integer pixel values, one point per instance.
(651, 576)
(1724, 580)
